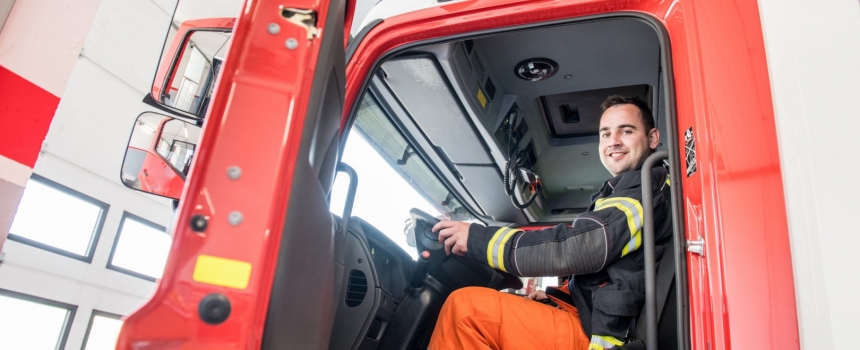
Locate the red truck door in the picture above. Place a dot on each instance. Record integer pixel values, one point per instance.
(264, 167)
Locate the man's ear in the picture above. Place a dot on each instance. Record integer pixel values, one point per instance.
(653, 138)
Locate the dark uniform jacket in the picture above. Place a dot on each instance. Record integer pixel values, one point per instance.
(600, 251)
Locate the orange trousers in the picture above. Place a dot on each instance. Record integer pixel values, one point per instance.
(482, 318)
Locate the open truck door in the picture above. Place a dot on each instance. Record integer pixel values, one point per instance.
(263, 167)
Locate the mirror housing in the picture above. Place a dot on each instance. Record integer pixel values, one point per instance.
(189, 66)
(159, 154)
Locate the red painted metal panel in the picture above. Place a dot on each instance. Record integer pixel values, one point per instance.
(26, 111)
(726, 98)
(259, 104)
(157, 176)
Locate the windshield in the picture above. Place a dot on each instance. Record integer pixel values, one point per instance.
(392, 178)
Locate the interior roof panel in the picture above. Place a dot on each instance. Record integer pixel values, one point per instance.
(421, 86)
(597, 54)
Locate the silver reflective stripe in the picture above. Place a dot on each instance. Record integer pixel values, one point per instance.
(627, 203)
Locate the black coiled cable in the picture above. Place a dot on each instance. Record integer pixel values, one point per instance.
(512, 167)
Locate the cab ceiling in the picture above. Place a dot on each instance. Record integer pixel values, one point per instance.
(438, 88)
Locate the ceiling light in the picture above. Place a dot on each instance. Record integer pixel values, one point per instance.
(536, 69)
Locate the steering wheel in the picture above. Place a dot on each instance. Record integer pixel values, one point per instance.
(453, 270)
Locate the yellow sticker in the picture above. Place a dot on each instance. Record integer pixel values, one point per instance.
(222, 272)
(482, 99)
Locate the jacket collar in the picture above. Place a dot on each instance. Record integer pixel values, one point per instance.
(630, 179)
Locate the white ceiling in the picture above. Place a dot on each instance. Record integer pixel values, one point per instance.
(196, 9)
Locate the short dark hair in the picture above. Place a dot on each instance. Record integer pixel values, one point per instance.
(644, 111)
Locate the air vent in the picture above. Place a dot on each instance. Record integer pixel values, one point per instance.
(356, 288)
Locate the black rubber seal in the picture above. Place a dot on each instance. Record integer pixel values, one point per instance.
(214, 308)
(354, 42)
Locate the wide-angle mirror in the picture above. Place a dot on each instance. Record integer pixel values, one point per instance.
(159, 154)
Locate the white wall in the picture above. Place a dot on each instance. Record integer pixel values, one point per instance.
(813, 55)
(84, 149)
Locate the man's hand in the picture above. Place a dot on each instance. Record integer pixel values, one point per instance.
(537, 295)
(453, 234)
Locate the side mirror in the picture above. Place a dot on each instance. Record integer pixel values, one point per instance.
(159, 154)
(189, 65)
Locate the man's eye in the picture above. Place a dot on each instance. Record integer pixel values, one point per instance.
(628, 131)
(604, 135)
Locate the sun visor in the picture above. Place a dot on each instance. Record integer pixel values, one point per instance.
(425, 92)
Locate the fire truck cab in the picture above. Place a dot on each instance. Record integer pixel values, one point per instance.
(486, 111)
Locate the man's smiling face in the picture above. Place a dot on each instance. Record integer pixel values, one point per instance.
(624, 142)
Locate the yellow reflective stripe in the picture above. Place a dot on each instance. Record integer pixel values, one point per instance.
(490, 247)
(668, 183)
(633, 210)
(601, 342)
(501, 251)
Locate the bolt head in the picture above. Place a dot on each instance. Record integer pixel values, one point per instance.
(273, 28)
(234, 172)
(292, 43)
(199, 223)
(235, 218)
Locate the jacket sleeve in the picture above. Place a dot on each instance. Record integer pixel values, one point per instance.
(594, 240)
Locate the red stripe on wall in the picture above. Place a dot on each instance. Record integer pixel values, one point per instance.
(26, 111)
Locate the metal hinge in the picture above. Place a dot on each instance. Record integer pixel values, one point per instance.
(696, 247)
(304, 18)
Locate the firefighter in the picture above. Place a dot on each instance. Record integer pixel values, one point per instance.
(597, 307)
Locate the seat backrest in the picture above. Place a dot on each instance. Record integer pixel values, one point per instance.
(667, 306)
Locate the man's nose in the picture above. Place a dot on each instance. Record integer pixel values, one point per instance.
(613, 140)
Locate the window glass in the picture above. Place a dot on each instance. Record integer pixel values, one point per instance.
(56, 218)
(140, 249)
(32, 323)
(392, 179)
(103, 332)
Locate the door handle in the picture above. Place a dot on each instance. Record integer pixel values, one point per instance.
(696, 247)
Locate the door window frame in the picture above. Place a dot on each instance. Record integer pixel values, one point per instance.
(97, 227)
(92, 319)
(672, 143)
(71, 310)
(111, 266)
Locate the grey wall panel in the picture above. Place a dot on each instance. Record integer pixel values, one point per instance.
(5, 9)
